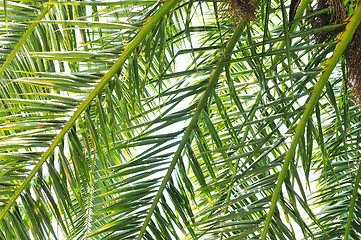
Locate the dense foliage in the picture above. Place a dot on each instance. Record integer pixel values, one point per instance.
(175, 119)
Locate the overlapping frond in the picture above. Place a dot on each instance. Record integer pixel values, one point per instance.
(166, 120)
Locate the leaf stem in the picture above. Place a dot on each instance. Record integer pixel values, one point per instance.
(23, 39)
(343, 42)
(108, 76)
(300, 10)
(201, 104)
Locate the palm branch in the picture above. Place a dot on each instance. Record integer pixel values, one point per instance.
(169, 120)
